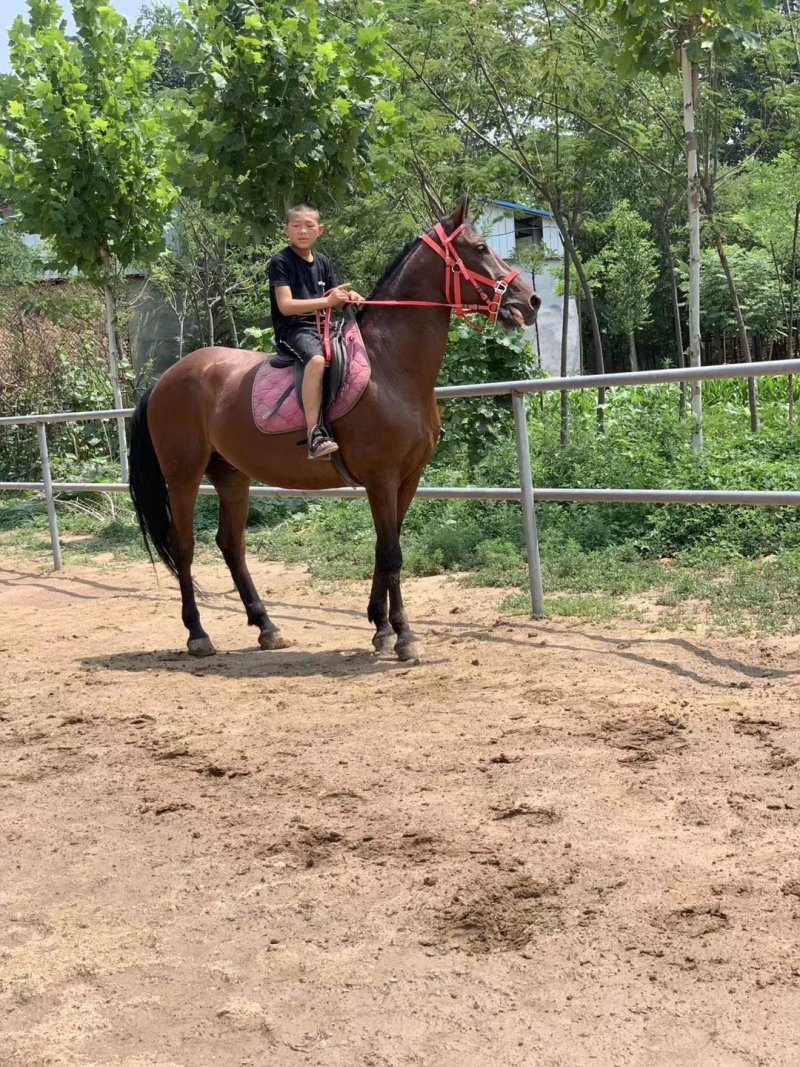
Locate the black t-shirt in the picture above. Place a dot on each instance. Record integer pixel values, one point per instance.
(307, 281)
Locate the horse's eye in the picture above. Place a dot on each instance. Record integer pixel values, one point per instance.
(481, 248)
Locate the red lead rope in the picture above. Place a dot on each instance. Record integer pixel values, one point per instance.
(455, 269)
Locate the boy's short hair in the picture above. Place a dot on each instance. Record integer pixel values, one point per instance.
(301, 209)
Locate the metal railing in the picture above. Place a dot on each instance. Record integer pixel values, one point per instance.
(524, 493)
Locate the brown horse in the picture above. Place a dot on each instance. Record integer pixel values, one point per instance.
(197, 420)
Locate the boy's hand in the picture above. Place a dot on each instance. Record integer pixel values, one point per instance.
(344, 294)
(339, 296)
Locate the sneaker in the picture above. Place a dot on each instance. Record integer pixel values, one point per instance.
(320, 446)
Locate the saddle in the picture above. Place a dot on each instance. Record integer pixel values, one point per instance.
(277, 400)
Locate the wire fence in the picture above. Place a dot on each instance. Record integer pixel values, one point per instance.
(524, 492)
(53, 356)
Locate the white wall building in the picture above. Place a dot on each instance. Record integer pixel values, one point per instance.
(510, 228)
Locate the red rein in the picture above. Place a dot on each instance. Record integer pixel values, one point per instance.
(455, 269)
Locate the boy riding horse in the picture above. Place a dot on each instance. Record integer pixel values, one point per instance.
(302, 283)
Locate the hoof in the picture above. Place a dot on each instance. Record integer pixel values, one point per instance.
(271, 641)
(383, 642)
(200, 646)
(412, 650)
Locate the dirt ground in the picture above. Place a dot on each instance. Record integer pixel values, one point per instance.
(547, 844)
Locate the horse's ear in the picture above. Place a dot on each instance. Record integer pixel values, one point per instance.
(461, 213)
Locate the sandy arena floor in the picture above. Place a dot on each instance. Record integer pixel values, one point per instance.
(547, 845)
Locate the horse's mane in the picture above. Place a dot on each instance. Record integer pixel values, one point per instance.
(393, 268)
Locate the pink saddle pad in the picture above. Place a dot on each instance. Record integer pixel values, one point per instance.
(272, 382)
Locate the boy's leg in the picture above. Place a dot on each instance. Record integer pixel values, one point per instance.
(320, 445)
(313, 374)
(304, 346)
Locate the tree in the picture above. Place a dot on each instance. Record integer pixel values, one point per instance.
(214, 285)
(765, 201)
(652, 35)
(81, 148)
(762, 293)
(162, 24)
(288, 102)
(627, 268)
(19, 264)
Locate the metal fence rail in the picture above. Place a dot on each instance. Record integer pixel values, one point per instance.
(524, 493)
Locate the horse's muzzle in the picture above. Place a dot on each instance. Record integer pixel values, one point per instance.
(517, 314)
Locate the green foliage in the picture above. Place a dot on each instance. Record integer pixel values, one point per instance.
(760, 293)
(763, 203)
(80, 143)
(626, 268)
(286, 105)
(473, 428)
(84, 451)
(161, 23)
(214, 277)
(52, 359)
(19, 264)
(650, 31)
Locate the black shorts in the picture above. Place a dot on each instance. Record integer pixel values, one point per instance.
(302, 343)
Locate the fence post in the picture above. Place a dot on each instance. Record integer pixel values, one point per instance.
(41, 433)
(528, 506)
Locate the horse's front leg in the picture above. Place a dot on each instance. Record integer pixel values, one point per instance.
(383, 501)
(378, 612)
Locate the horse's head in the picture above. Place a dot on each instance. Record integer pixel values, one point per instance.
(519, 304)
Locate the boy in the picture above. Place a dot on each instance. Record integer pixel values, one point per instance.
(299, 277)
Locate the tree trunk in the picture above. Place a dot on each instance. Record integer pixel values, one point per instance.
(689, 74)
(787, 10)
(676, 314)
(180, 309)
(113, 357)
(232, 324)
(565, 353)
(792, 280)
(198, 316)
(211, 334)
(536, 328)
(588, 296)
(634, 359)
(744, 341)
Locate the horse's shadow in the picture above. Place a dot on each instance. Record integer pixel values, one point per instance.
(253, 663)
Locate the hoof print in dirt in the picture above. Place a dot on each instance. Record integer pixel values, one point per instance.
(313, 846)
(645, 739)
(697, 921)
(499, 914)
(536, 814)
(169, 808)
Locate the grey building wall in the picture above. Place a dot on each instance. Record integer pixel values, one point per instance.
(154, 328)
(498, 223)
(549, 324)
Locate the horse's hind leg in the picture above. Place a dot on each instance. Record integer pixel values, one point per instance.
(182, 498)
(234, 501)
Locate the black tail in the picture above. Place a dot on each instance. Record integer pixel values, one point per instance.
(149, 489)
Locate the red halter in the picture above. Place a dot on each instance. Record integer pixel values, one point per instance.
(455, 269)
